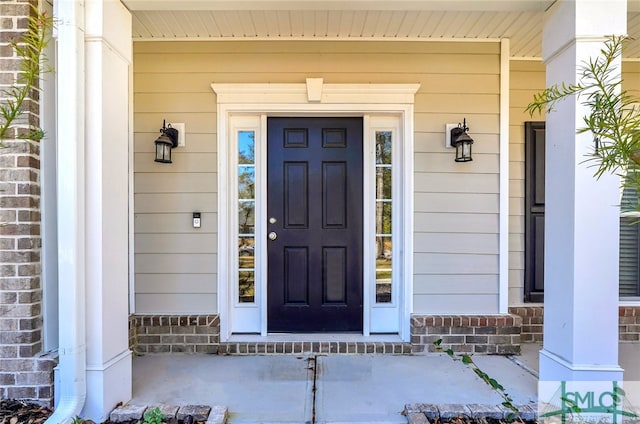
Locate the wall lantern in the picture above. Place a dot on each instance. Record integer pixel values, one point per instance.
(167, 140)
(462, 142)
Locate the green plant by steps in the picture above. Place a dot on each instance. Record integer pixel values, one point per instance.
(153, 417)
(613, 118)
(29, 49)
(467, 360)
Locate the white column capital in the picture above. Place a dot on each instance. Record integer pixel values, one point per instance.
(570, 20)
(110, 22)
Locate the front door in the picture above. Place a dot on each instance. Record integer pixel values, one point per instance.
(315, 212)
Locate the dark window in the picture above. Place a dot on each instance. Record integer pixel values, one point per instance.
(629, 245)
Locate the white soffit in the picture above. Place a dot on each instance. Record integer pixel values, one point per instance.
(520, 21)
(441, 5)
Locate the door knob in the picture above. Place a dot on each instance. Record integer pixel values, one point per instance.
(273, 235)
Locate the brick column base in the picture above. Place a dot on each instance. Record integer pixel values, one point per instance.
(174, 333)
(629, 323)
(533, 318)
(28, 379)
(487, 334)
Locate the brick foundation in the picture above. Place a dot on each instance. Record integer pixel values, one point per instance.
(487, 334)
(174, 334)
(533, 318)
(481, 334)
(491, 334)
(629, 324)
(201, 334)
(24, 372)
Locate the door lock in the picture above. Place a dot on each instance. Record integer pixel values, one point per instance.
(273, 235)
(272, 220)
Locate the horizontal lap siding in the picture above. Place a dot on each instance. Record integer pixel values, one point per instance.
(175, 264)
(456, 205)
(526, 79)
(631, 78)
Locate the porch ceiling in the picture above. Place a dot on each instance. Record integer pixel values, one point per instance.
(520, 21)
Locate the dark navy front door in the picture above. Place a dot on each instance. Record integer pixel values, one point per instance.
(315, 192)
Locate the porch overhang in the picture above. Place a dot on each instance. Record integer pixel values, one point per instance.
(415, 5)
(361, 20)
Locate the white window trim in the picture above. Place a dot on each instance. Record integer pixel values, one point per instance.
(315, 98)
(384, 318)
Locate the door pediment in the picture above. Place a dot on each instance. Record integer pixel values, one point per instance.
(308, 92)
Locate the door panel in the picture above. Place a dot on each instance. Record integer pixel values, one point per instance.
(334, 281)
(296, 273)
(296, 195)
(315, 210)
(334, 195)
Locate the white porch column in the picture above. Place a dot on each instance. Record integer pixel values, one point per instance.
(108, 52)
(582, 216)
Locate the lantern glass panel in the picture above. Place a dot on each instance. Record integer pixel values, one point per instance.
(163, 152)
(466, 150)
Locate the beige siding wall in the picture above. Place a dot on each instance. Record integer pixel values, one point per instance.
(527, 78)
(456, 205)
(631, 77)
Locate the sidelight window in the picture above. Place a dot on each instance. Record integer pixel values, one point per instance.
(383, 216)
(246, 216)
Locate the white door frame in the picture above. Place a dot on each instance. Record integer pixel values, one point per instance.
(313, 99)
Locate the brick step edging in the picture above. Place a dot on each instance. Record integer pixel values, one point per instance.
(201, 413)
(424, 413)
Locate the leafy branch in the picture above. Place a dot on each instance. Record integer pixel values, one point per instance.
(613, 118)
(467, 360)
(29, 49)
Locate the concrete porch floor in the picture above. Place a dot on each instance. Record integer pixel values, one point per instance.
(349, 388)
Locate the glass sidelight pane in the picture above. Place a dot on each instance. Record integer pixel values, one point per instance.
(246, 248)
(246, 182)
(246, 217)
(383, 253)
(383, 182)
(384, 265)
(246, 286)
(383, 147)
(384, 209)
(383, 286)
(383, 217)
(246, 147)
